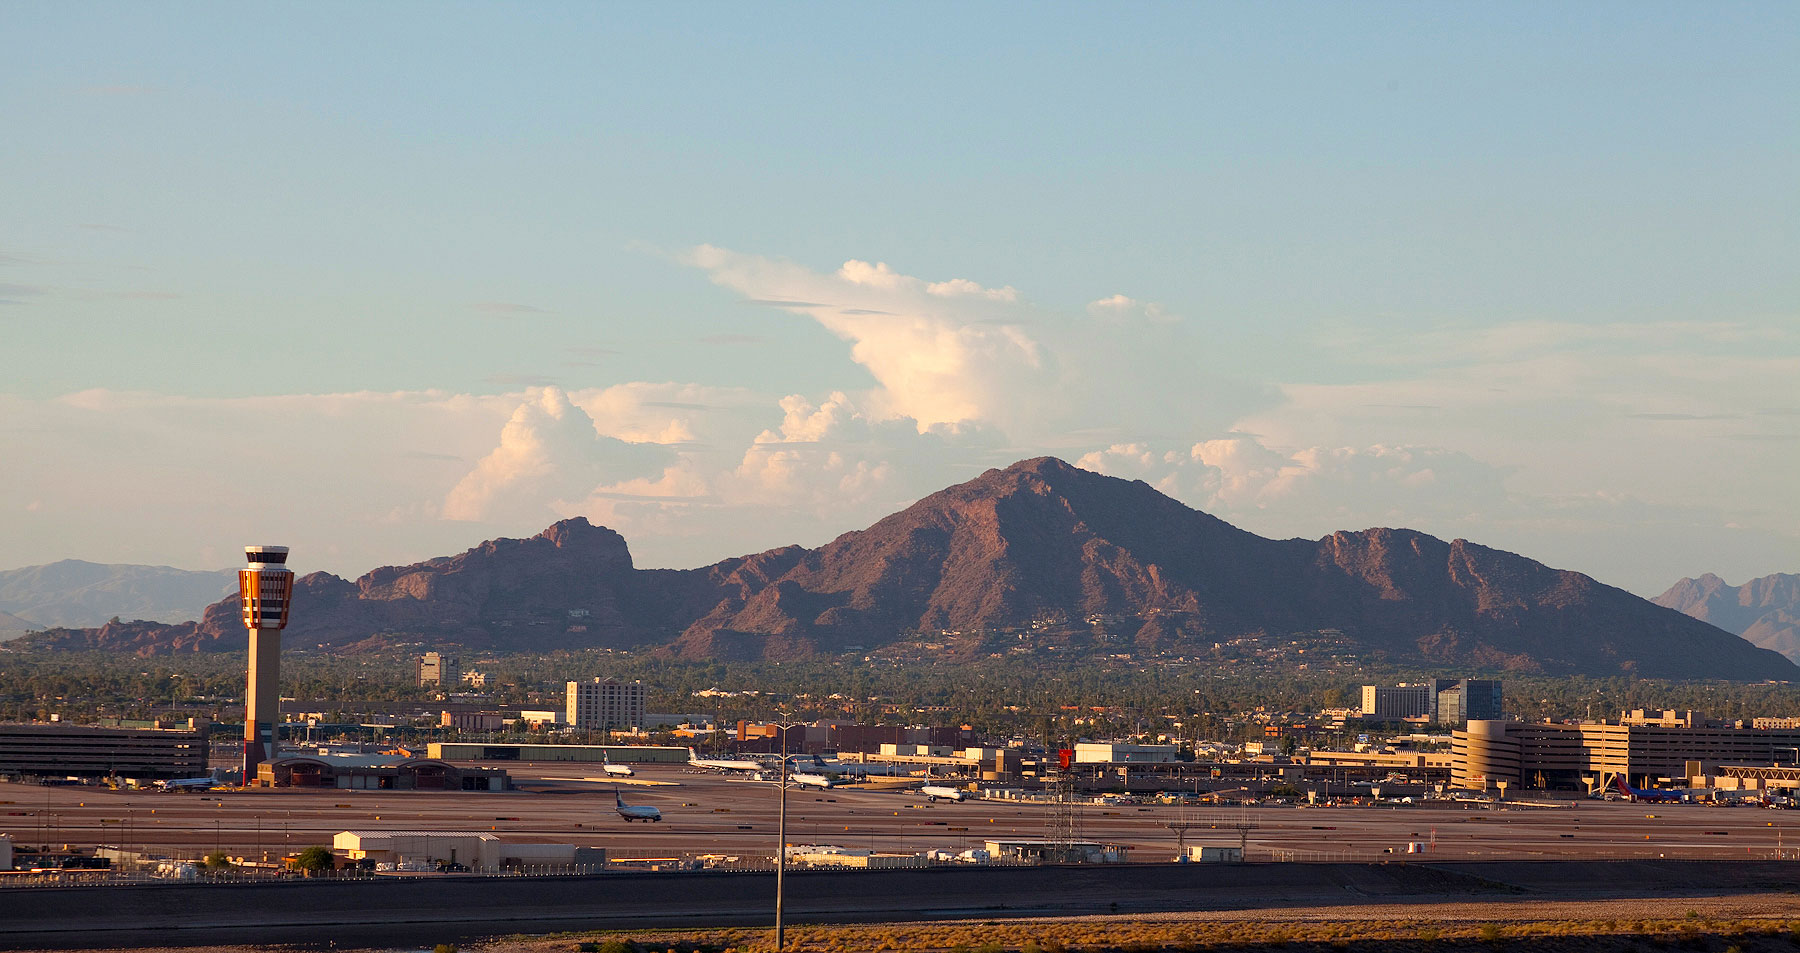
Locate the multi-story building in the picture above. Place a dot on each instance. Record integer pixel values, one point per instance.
(1446, 701)
(1643, 749)
(436, 668)
(1466, 699)
(67, 750)
(604, 703)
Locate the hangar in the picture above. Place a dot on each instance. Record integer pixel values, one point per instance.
(383, 772)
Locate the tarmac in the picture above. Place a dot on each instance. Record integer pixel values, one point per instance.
(714, 814)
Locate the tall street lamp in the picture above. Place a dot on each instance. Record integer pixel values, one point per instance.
(781, 836)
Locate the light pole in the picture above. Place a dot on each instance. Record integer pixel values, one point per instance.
(781, 836)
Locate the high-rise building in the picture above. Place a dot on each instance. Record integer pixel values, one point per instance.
(1392, 703)
(265, 586)
(605, 703)
(1444, 701)
(435, 668)
(1465, 700)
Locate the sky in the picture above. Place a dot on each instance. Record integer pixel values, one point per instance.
(381, 281)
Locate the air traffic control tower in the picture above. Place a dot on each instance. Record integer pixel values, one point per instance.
(266, 586)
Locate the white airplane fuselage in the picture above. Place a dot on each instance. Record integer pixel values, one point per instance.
(635, 812)
(711, 764)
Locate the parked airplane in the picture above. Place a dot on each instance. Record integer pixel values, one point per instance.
(616, 770)
(716, 764)
(812, 780)
(934, 791)
(856, 771)
(635, 812)
(1637, 794)
(191, 784)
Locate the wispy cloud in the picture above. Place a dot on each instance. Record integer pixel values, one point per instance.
(17, 293)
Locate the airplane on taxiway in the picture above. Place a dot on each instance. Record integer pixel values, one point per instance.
(635, 812)
(718, 764)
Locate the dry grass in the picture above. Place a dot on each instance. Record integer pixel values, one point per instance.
(1118, 936)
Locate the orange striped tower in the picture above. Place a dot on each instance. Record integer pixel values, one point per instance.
(266, 585)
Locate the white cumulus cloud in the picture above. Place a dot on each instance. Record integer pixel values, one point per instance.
(549, 453)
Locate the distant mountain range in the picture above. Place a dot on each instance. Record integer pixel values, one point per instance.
(77, 593)
(1764, 611)
(11, 626)
(1038, 542)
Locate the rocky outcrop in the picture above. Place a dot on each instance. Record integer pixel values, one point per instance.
(1039, 540)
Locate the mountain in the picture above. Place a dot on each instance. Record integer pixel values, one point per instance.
(1038, 542)
(77, 593)
(1764, 611)
(11, 626)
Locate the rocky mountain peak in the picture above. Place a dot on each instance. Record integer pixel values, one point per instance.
(1035, 546)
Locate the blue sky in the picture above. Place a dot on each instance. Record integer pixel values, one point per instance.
(1519, 273)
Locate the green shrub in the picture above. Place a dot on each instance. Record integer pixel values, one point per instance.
(1490, 932)
(314, 859)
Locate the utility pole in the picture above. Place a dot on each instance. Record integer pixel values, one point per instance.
(781, 835)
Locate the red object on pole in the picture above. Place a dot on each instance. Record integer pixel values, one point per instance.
(1065, 757)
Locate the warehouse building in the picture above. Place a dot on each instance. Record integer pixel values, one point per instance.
(475, 850)
(75, 751)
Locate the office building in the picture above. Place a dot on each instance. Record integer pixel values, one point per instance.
(435, 668)
(604, 703)
(1465, 700)
(1397, 702)
(71, 751)
(1445, 701)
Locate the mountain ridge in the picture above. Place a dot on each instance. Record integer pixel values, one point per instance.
(75, 592)
(1039, 540)
(1764, 611)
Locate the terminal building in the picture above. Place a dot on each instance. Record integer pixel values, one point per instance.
(75, 751)
(1644, 748)
(592, 754)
